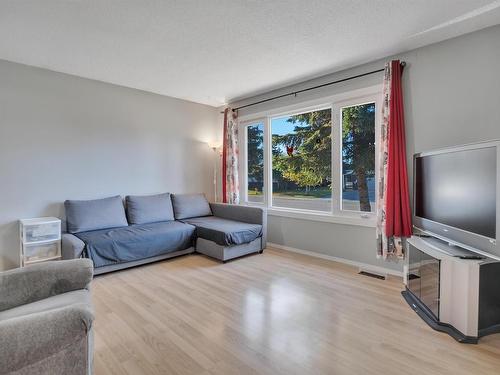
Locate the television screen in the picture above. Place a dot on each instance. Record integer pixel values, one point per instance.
(458, 189)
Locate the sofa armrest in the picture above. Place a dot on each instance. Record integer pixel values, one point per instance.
(33, 283)
(72, 246)
(246, 214)
(30, 338)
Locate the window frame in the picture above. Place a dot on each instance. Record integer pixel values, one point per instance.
(335, 103)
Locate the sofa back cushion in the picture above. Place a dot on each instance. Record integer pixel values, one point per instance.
(190, 205)
(149, 209)
(83, 216)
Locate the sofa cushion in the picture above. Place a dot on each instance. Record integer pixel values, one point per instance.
(225, 232)
(82, 216)
(190, 205)
(149, 208)
(126, 244)
(81, 296)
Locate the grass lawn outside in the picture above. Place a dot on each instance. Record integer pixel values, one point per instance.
(255, 192)
(319, 199)
(313, 193)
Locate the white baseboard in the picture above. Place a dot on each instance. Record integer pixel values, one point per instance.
(360, 265)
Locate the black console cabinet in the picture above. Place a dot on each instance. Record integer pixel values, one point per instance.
(458, 296)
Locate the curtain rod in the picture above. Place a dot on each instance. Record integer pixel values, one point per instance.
(403, 63)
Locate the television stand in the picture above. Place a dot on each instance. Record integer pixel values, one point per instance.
(452, 289)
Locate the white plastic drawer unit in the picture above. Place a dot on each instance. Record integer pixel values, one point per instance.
(41, 252)
(40, 230)
(40, 240)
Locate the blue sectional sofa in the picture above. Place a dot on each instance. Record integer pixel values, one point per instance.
(151, 228)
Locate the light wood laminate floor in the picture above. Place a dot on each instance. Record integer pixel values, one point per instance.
(276, 313)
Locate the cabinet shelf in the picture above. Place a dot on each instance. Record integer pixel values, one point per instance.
(42, 242)
(28, 262)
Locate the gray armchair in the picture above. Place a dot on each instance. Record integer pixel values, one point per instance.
(46, 319)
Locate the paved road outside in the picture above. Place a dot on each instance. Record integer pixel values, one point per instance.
(315, 204)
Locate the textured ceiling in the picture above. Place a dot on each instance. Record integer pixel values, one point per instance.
(214, 51)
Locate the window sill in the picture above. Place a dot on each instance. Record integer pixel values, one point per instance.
(354, 219)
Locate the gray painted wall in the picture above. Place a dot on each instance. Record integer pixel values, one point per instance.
(67, 137)
(452, 96)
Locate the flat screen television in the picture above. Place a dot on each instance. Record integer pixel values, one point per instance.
(456, 195)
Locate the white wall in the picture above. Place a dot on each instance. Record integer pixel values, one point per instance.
(64, 137)
(452, 96)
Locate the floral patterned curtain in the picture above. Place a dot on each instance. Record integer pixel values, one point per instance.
(230, 156)
(393, 206)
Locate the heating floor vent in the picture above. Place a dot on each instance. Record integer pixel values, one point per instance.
(372, 274)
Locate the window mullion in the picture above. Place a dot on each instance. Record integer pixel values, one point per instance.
(268, 168)
(244, 177)
(336, 167)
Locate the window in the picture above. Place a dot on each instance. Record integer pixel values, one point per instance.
(302, 161)
(358, 157)
(255, 162)
(315, 161)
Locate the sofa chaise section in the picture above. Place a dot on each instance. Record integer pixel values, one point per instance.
(244, 214)
(237, 243)
(223, 231)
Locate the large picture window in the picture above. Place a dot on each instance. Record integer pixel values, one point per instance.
(302, 160)
(319, 160)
